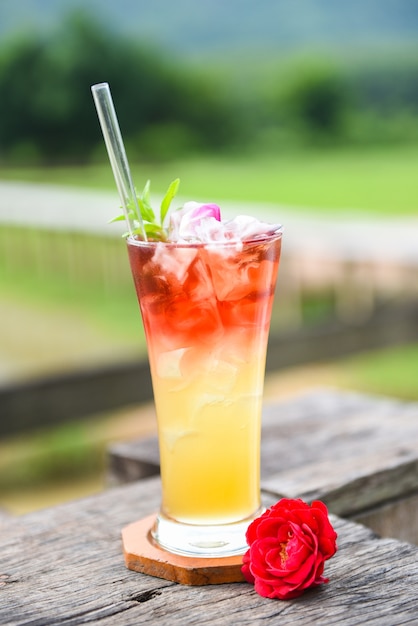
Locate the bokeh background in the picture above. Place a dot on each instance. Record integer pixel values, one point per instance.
(304, 113)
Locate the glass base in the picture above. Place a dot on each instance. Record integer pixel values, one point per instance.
(211, 541)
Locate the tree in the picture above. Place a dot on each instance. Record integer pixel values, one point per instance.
(46, 100)
(314, 99)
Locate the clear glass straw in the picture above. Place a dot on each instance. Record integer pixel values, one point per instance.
(117, 154)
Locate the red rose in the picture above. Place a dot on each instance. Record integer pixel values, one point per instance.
(288, 546)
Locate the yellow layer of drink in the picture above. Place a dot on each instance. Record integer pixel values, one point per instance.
(209, 431)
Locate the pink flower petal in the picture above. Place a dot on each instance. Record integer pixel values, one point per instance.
(288, 546)
(202, 223)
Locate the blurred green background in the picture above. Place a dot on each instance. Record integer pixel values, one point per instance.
(311, 105)
(315, 81)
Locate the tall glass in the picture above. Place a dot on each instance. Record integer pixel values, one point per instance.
(206, 310)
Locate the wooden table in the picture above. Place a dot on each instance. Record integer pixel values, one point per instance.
(65, 565)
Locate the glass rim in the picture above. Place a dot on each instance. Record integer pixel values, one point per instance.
(258, 239)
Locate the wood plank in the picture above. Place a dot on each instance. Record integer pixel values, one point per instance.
(128, 461)
(353, 451)
(285, 426)
(65, 566)
(398, 519)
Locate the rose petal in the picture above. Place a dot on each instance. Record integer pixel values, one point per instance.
(202, 223)
(288, 546)
(245, 569)
(209, 210)
(184, 223)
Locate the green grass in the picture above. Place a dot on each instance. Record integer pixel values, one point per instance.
(390, 372)
(49, 455)
(382, 181)
(71, 272)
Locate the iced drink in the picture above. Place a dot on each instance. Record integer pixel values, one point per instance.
(205, 289)
(206, 310)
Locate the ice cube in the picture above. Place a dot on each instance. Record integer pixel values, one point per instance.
(171, 436)
(226, 374)
(168, 363)
(230, 272)
(245, 227)
(211, 399)
(173, 260)
(219, 378)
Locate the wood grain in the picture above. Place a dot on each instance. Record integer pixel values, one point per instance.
(64, 566)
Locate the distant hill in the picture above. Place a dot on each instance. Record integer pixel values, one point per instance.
(204, 28)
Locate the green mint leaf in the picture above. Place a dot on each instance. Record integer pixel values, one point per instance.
(146, 193)
(119, 218)
(144, 202)
(146, 211)
(142, 212)
(166, 201)
(155, 232)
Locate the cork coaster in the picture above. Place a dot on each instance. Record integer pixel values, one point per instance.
(144, 556)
